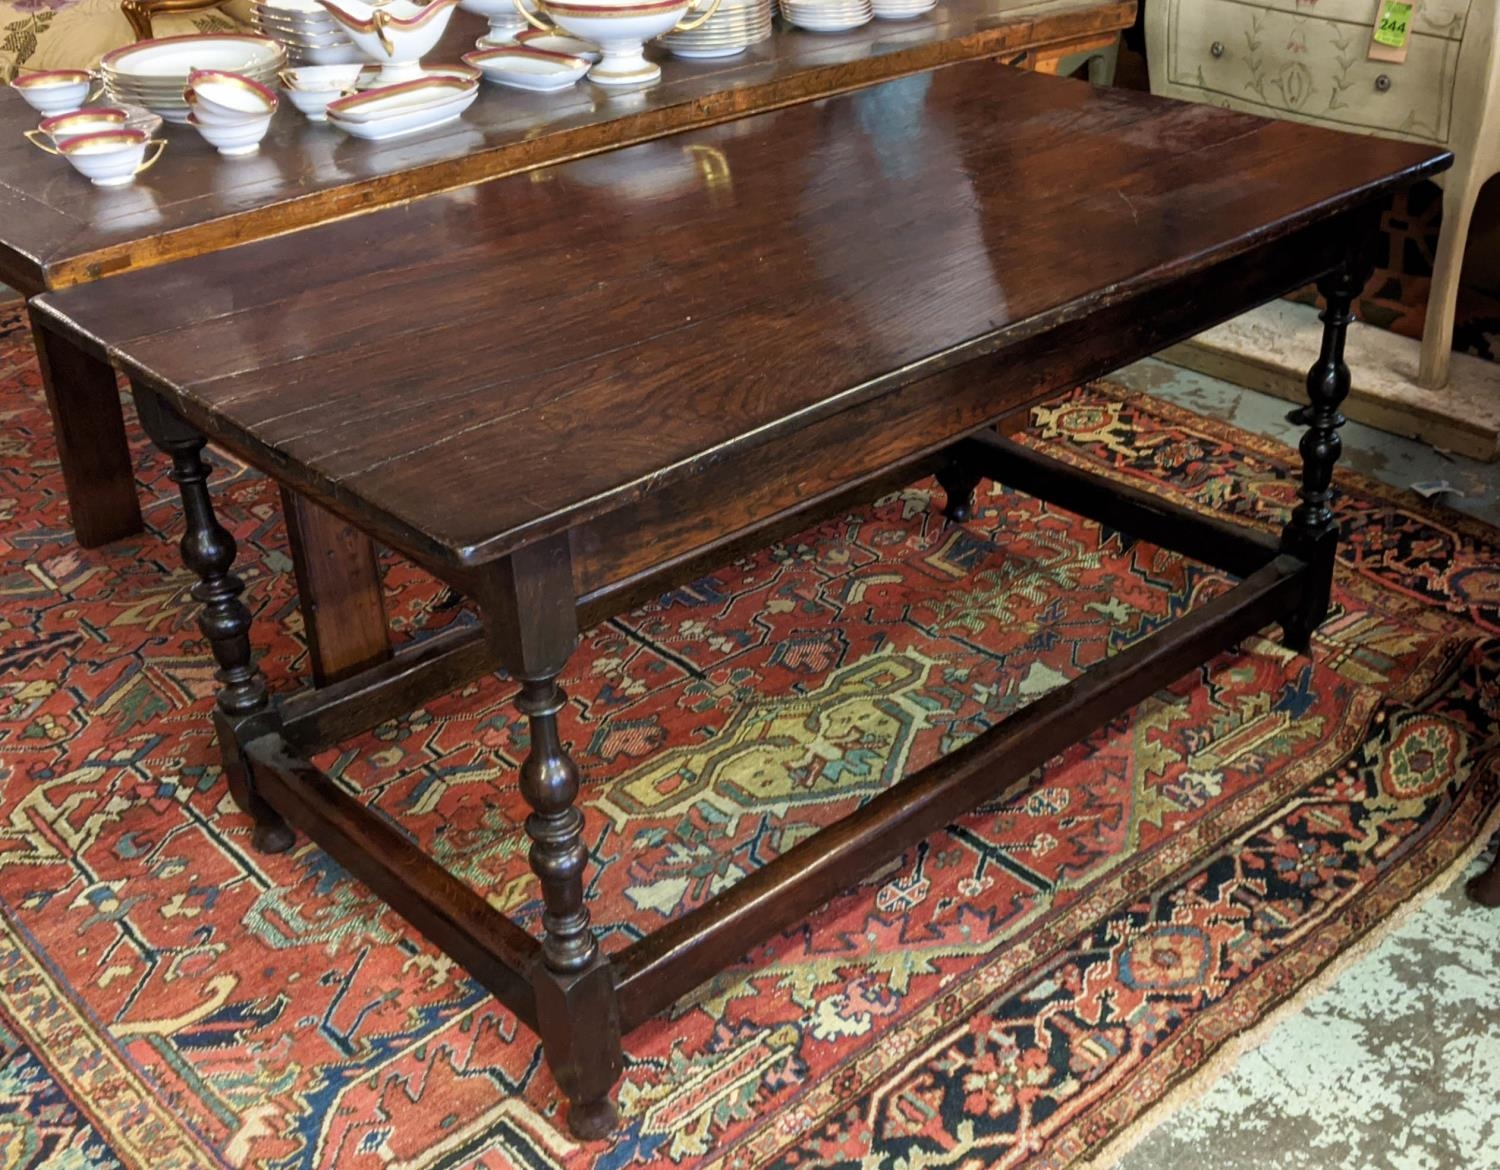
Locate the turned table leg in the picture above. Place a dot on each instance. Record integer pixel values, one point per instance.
(208, 550)
(83, 397)
(1485, 889)
(528, 603)
(1313, 532)
(958, 480)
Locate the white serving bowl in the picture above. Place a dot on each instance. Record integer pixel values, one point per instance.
(112, 158)
(555, 42)
(54, 91)
(236, 140)
(56, 130)
(396, 34)
(228, 99)
(316, 78)
(621, 29)
(314, 102)
(519, 67)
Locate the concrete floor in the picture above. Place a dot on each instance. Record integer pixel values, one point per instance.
(1397, 1065)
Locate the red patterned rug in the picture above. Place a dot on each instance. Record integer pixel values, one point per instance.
(1017, 991)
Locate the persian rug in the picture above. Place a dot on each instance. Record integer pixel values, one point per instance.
(1019, 990)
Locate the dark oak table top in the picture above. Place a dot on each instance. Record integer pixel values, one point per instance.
(57, 230)
(474, 371)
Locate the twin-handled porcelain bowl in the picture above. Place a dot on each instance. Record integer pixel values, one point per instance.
(111, 158)
(621, 29)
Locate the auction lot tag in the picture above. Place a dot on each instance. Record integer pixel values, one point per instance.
(1392, 33)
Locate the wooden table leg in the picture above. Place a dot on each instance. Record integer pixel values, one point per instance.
(208, 549)
(84, 398)
(338, 581)
(529, 610)
(1313, 533)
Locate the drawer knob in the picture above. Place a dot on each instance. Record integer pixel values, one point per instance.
(1217, 48)
(1383, 83)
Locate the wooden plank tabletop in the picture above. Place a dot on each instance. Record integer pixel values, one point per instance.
(472, 371)
(57, 230)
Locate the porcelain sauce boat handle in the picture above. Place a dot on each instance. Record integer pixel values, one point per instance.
(535, 19)
(39, 140)
(686, 25)
(380, 19)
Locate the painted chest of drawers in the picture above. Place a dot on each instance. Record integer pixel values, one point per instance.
(1308, 60)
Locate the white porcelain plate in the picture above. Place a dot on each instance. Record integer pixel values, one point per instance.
(171, 57)
(526, 68)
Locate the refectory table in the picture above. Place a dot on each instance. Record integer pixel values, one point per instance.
(558, 395)
(57, 231)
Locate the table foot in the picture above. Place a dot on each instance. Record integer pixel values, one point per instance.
(592, 1121)
(208, 549)
(1312, 535)
(272, 838)
(1485, 889)
(959, 480)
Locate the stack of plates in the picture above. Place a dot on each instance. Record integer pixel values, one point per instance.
(828, 15)
(154, 73)
(734, 27)
(902, 9)
(310, 34)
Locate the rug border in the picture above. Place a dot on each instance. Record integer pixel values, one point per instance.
(1198, 1083)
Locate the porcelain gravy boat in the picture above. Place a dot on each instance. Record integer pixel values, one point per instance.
(395, 35)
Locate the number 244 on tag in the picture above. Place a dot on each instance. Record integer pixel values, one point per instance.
(1394, 23)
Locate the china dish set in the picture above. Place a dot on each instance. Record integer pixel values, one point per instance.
(358, 67)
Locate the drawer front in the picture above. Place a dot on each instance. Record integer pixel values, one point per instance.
(1438, 18)
(1289, 64)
